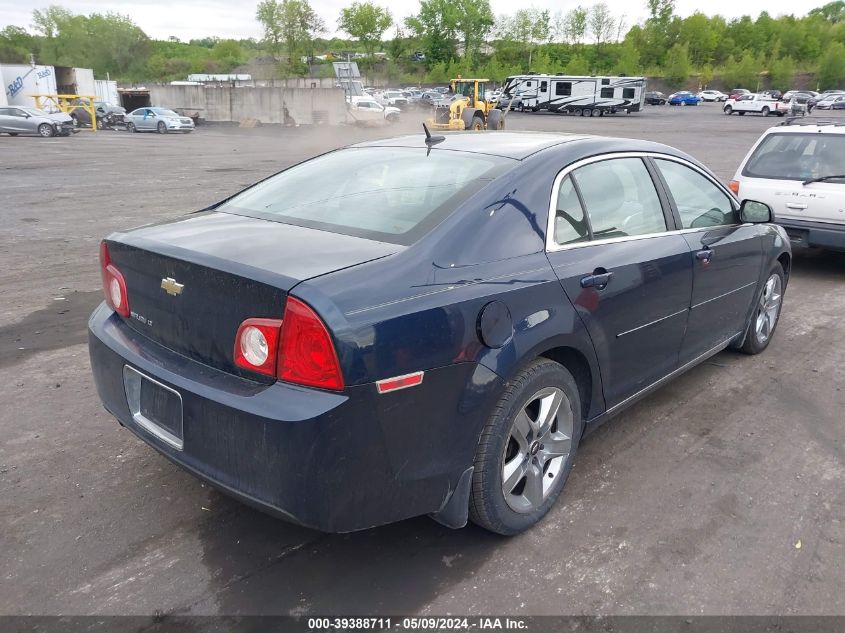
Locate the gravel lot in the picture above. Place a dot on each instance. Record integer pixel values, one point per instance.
(722, 493)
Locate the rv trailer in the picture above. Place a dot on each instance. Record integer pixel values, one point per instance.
(586, 96)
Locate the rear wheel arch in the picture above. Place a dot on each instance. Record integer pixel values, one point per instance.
(577, 365)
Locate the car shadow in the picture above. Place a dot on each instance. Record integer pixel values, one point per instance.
(260, 565)
(809, 261)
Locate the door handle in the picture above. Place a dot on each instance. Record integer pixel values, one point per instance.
(597, 280)
(795, 205)
(704, 255)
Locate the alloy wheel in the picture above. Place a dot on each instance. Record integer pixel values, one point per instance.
(538, 446)
(768, 309)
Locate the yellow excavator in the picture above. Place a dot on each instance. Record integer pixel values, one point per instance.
(468, 108)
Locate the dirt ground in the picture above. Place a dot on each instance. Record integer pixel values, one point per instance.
(722, 493)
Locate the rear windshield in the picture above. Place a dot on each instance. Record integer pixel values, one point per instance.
(388, 194)
(798, 157)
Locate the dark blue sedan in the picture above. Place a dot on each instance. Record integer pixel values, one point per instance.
(411, 326)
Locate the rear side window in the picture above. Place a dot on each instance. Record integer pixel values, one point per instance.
(798, 157)
(390, 194)
(627, 93)
(570, 222)
(563, 88)
(700, 203)
(620, 198)
(607, 93)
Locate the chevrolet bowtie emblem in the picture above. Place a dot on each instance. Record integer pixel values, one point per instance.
(171, 286)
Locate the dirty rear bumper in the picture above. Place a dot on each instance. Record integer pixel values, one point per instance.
(818, 234)
(336, 462)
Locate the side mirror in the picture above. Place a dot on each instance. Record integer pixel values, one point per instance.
(755, 212)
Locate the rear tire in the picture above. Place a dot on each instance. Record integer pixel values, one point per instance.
(477, 123)
(766, 111)
(161, 128)
(532, 437)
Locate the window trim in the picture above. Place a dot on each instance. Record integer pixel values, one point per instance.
(552, 246)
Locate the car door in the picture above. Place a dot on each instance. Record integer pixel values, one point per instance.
(6, 121)
(23, 122)
(726, 256)
(628, 277)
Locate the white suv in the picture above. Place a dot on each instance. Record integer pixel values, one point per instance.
(799, 171)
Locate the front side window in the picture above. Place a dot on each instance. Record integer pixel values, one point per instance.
(563, 88)
(627, 93)
(700, 202)
(620, 198)
(391, 194)
(607, 93)
(802, 157)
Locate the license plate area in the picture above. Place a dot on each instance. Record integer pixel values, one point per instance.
(155, 407)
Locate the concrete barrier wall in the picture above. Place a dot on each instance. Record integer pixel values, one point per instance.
(304, 106)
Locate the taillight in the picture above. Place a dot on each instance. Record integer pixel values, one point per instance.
(306, 353)
(733, 185)
(297, 349)
(257, 345)
(114, 285)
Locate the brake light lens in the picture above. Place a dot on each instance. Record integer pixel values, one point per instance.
(306, 354)
(733, 185)
(297, 348)
(114, 285)
(257, 345)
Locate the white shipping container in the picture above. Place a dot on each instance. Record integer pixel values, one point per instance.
(106, 91)
(21, 81)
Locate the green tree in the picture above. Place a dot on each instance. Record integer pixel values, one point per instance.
(742, 73)
(832, 11)
(575, 25)
(677, 69)
(16, 45)
(292, 24)
(601, 22)
(782, 73)
(577, 66)
(473, 23)
(435, 26)
(366, 22)
(527, 28)
(700, 38)
(831, 71)
(228, 53)
(629, 60)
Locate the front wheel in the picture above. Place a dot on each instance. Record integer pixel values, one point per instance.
(46, 130)
(130, 127)
(764, 318)
(526, 449)
(728, 110)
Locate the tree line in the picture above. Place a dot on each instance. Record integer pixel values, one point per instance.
(464, 38)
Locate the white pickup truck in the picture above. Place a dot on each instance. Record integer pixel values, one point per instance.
(758, 103)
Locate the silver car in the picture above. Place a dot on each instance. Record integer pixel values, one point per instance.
(16, 120)
(159, 120)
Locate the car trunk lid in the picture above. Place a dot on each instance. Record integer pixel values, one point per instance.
(192, 282)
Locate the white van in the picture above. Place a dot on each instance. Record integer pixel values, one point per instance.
(798, 169)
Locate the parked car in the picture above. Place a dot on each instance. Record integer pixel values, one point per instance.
(812, 103)
(394, 98)
(799, 171)
(368, 109)
(159, 120)
(430, 98)
(755, 103)
(790, 93)
(796, 105)
(772, 94)
(712, 95)
(15, 120)
(441, 89)
(655, 98)
(832, 102)
(515, 101)
(683, 98)
(737, 92)
(385, 351)
(102, 109)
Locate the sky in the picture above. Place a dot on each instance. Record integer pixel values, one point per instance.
(187, 19)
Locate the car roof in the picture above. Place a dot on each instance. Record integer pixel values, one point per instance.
(820, 127)
(521, 145)
(517, 145)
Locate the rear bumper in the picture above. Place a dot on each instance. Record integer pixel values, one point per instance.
(818, 234)
(336, 462)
